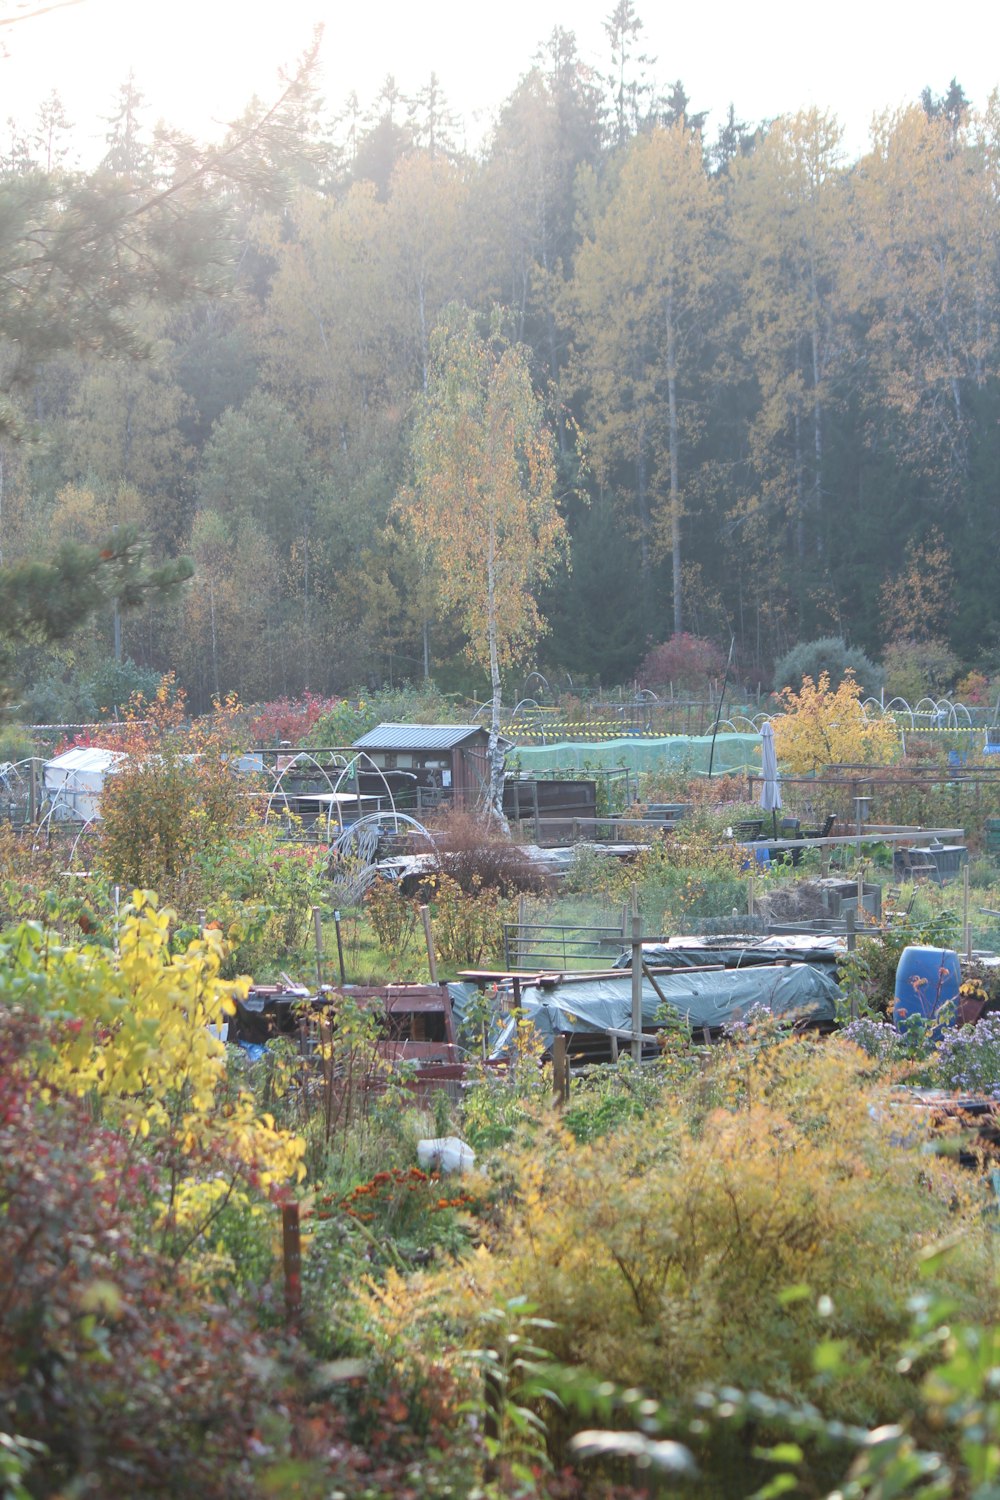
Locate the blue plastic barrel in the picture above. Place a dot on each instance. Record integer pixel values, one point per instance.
(926, 980)
(752, 857)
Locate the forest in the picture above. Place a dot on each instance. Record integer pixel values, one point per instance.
(769, 374)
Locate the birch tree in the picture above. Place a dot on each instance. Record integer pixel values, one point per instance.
(483, 499)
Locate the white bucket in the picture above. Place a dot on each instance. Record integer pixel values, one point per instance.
(446, 1154)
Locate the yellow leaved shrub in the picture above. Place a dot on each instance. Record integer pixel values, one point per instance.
(820, 727)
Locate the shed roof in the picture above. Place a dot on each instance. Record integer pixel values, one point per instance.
(85, 758)
(419, 736)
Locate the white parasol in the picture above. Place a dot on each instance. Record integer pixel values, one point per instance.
(770, 792)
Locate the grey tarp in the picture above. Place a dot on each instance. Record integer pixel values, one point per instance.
(462, 996)
(714, 1000)
(693, 954)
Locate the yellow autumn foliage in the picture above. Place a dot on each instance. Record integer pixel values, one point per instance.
(138, 1031)
(821, 727)
(664, 1254)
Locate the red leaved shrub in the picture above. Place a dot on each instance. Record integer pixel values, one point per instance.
(687, 661)
(289, 719)
(134, 1384)
(478, 855)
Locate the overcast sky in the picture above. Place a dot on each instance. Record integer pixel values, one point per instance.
(199, 61)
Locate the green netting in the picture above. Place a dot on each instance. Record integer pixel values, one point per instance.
(683, 752)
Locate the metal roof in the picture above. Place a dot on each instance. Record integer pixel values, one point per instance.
(418, 736)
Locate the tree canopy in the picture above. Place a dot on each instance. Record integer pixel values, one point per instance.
(771, 373)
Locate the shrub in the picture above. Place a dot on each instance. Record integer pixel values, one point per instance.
(831, 655)
(664, 1256)
(109, 1355)
(880, 1040)
(968, 1058)
(468, 925)
(393, 917)
(477, 855)
(28, 875)
(114, 684)
(974, 687)
(261, 890)
(405, 704)
(606, 1099)
(689, 874)
(819, 727)
(919, 669)
(678, 785)
(289, 719)
(133, 1029)
(16, 743)
(686, 661)
(501, 1103)
(172, 797)
(53, 700)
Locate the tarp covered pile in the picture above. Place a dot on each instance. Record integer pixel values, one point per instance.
(735, 952)
(713, 1000)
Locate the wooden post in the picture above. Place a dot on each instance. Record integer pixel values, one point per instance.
(852, 943)
(318, 934)
(515, 1010)
(750, 897)
(636, 989)
(966, 924)
(291, 1249)
(648, 974)
(340, 947)
(429, 938)
(560, 1069)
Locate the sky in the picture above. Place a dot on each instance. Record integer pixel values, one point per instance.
(198, 62)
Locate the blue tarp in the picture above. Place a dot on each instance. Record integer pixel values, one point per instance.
(713, 1000)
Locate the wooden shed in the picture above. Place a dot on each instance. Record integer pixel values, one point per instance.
(426, 764)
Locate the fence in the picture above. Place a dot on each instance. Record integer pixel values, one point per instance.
(539, 945)
(645, 714)
(926, 799)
